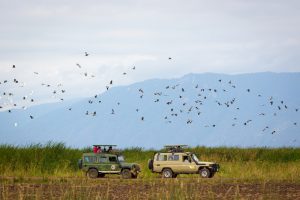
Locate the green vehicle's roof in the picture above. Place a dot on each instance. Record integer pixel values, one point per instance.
(106, 154)
(105, 145)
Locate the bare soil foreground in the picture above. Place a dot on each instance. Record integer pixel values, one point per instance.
(115, 188)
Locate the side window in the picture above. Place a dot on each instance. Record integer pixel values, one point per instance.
(90, 159)
(112, 159)
(186, 159)
(102, 159)
(162, 157)
(173, 157)
(86, 159)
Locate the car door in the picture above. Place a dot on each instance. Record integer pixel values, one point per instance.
(174, 162)
(188, 165)
(114, 164)
(104, 165)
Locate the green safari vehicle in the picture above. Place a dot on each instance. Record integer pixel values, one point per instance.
(97, 164)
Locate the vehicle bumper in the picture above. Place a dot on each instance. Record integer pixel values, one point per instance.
(215, 167)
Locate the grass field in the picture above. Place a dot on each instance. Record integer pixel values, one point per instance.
(50, 172)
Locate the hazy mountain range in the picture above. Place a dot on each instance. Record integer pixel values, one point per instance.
(259, 109)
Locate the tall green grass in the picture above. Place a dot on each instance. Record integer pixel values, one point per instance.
(38, 159)
(56, 159)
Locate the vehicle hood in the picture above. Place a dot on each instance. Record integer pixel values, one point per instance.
(206, 163)
(129, 165)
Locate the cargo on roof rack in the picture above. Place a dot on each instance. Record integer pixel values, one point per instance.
(175, 148)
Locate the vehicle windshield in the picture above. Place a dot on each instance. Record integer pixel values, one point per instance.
(121, 158)
(195, 158)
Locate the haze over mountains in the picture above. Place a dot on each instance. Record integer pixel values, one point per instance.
(259, 109)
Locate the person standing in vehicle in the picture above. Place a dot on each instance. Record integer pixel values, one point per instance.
(99, 150)
(95, 149)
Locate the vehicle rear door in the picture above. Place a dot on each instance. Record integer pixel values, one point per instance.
(159, 162)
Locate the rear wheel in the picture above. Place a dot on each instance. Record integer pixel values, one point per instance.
(101, 175)
(126, 174)
(167, 173)
(150, 164)
(204, 173)
(92, 173)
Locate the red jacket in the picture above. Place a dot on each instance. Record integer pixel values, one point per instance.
(95, 149)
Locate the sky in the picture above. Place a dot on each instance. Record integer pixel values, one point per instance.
(50, 37)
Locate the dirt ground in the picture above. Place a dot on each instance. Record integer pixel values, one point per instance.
(146, 189)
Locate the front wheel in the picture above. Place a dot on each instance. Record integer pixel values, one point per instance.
(126, 174)
(134, 176)
(92, 173)
(167, 173)
(212, 175)
(204, 173)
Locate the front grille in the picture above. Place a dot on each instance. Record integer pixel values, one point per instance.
(215, 167)
(136, 168)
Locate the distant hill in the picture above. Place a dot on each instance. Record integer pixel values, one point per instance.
(259, 109)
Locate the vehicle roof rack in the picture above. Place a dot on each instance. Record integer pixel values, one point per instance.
(175, 148)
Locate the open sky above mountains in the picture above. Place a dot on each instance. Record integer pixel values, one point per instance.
(50, 37)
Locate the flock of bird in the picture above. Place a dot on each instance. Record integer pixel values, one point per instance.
(7, 100)
(177, 105)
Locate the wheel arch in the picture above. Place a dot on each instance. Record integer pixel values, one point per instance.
(202, 167)
(167, 168)
(125, 168)
(92, 168)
